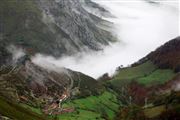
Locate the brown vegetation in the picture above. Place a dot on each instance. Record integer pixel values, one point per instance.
(168, 55)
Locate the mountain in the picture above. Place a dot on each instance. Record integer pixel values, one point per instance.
(167, 56)
(151, 85)
(53, 27)
(157, 68)
(26, 83)
(147, 90)
(95, 8)
(24, 76)
(143, 91)
(28, 91)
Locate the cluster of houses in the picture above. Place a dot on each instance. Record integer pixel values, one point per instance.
(56, 106)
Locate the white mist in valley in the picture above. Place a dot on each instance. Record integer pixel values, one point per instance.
(140, 26)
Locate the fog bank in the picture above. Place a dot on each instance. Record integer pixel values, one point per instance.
(140, 27)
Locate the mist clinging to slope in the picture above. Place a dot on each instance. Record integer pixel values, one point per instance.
(140, 26)
(16, 52)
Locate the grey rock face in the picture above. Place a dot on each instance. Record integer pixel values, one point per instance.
(52, 27)
(95, 8)
(75, 22)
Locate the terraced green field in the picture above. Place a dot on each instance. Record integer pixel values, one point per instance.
(135, 72)
(146, 74)
(157, 77)
(100, 107)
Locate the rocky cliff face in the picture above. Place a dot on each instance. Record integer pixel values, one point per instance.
(95, 8)
(53, 27)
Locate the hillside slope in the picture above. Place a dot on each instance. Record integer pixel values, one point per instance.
(26, 78)
(149, 88)
(24, 83)
(144, 90)
(158, 67)
(52, 27)
(168, 55)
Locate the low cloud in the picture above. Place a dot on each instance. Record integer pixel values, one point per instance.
(140, 26)
(16, 52)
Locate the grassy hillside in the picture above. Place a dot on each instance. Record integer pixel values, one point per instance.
(135, 72)
(168, 108)
(159, 76)
(149, 88)
(100, 107)
(146, 74)
(15, 111)
(145, 91)
(154, 111)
